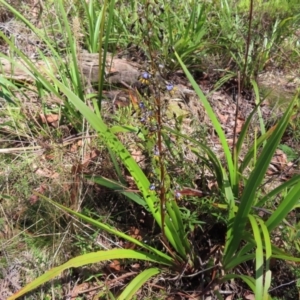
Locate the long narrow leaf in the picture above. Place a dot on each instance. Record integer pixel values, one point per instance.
(253, 148)
(115, 186)
(238, 260)
(276, 191)
(111, 230)
(255, 179)
(268, 255)
(259, 260)
(288, 203)
(257, 100)
(175, 223)
(83, 260)
(137, 282)
(213, 118)
(242, 138)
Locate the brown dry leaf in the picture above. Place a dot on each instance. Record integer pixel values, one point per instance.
(135, 233)
(41, 190)
(239, 124)
(33, 199)
(43, 118)
(191, 192)
(279, 159)
(49, 156)
(121, 99)
(74, 147)
(229, 142)
(115, 266)
(136, 154)
(278, 162)
(230, 297)
(133, 98)
(131, 183)
(212, 184)
(271, 170)
(46, 173)
(49, 118)
(66, 187)
(223, 118)
(89, 156)
(249, 297)
(52, 118)
(79, 289)
(76, 169)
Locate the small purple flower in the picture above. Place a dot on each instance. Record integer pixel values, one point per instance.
(169, 87)
(177, 195)
(146, 75)
(142, 105)
(152, 187)
(156, 151)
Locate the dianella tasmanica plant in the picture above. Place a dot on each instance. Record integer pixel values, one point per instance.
(159, 201)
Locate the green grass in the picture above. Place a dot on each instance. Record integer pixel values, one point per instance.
(153, 184)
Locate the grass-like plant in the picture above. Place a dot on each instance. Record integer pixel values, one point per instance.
(240, 216)
(248, 237)
(181, 251)
(262, 33)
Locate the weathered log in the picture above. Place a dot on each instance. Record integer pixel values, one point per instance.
(117, 70)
